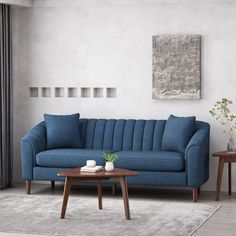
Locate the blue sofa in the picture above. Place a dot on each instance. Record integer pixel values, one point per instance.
(138, 144)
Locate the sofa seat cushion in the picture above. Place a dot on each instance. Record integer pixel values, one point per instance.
(150, 161)
(69, 157)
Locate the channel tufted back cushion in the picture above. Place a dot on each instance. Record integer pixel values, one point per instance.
(111, 134)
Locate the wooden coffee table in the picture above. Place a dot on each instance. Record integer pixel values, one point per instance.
(75, 174)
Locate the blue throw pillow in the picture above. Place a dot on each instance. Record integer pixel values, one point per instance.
(63, 131)
(177, 133)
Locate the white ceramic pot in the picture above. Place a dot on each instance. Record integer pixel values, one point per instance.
(109, 166)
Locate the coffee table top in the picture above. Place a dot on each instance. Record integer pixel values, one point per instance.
(101, 174)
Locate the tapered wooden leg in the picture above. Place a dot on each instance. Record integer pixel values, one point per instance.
(195, 194)
(66, 196)
(28, 186)
(52, 185)
(198, 190)
(114, 189)
(99, 189)
(229, 177)
(219, 178)
(124, 190)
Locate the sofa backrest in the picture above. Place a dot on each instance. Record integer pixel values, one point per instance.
(121, 134)
(111, 134)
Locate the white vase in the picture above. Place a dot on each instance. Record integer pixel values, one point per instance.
(109, 166)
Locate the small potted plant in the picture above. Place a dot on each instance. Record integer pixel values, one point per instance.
(223, 115)
(110, 158)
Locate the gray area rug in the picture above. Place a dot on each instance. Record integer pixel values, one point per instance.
(40, 215)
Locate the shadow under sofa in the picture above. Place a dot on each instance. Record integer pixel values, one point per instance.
(138, 144)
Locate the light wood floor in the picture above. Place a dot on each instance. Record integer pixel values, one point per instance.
(222, 223)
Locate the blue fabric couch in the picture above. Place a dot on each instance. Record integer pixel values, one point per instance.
(138, 144)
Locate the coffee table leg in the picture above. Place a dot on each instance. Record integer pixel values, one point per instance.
(219, 177)
(124, 190)
(66, 196)
(99, 189)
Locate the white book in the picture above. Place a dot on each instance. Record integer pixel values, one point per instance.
(91, 169)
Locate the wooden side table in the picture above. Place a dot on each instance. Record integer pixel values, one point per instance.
(224, 157)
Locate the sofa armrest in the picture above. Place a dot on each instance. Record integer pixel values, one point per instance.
(32, 143)
(197, 156)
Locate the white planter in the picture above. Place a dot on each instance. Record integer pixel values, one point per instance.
(109, 166)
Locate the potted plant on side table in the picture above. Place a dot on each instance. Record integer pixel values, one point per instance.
(110, 158)
(223, 115)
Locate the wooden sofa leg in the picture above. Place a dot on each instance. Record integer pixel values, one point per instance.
(114, 189)
(195, 193)
(198, 190)
(28, 186)
(52, 185)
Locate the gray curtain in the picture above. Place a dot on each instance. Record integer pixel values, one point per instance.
(5, 98)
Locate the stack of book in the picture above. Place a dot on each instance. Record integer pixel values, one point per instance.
(91, 168)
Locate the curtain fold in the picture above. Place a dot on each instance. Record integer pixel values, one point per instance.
(5, 98)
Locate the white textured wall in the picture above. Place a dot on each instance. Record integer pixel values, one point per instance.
(109, 45)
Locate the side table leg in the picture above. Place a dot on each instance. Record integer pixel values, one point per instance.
(99, 189)
(219, 177)
(124, 190)
(66, 196)
(229, 177)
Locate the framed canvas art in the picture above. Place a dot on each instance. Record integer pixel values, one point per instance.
(176, 65)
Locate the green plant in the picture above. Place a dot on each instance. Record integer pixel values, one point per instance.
(222, 114)
(110, 157)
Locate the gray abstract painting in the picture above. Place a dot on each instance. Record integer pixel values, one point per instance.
(176, 66)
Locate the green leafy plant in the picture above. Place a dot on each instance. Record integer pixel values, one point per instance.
(110, 157)
(223, 115)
